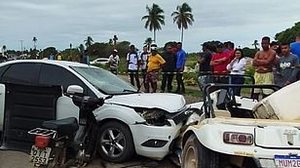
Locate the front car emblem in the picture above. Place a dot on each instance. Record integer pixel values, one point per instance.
(290, 136)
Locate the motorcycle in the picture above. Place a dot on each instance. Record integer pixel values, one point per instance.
(67, 142)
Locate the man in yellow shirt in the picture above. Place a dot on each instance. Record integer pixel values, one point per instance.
(155, 62)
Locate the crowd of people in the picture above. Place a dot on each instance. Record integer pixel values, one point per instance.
(150, 64)
(274, 64)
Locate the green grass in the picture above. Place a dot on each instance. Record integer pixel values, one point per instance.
(193, 92)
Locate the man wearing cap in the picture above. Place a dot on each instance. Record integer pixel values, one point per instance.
(113, 62)
(219, 61)
(155, 62)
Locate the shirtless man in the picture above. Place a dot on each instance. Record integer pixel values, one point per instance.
(263, 62)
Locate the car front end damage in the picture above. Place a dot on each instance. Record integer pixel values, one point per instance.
(269, 143)
(154, 124)
(157, 135)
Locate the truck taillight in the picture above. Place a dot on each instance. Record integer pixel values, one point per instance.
(42, 141)
(238, 138)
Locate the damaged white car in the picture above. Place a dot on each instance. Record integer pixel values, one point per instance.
(237, 131)
(130, 122)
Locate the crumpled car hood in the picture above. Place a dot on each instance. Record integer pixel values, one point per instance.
(166, 101)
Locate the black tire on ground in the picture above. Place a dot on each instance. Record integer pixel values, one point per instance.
(195, 155)
(115, 142)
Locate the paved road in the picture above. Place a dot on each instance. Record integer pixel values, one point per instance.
(15, 159)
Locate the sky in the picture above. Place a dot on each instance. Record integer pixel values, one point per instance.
(58, 23)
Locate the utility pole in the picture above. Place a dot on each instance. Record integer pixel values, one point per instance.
(21, 41)
(71, 51)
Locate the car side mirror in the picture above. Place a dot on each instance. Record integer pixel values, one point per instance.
(74, 90)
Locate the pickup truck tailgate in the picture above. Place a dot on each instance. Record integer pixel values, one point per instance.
(277, 137)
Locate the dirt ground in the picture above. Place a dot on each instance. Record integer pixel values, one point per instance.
(16, 159)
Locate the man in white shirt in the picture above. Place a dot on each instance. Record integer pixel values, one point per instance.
(113, 62)
(133, 64)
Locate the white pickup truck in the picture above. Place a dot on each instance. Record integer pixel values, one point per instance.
(241, 132)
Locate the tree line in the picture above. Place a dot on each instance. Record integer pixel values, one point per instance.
(154, 20)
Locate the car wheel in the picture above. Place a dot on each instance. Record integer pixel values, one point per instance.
(195, 155)
(115, 142)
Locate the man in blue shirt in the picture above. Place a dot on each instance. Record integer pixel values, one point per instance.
(295, 46)
(180, 62)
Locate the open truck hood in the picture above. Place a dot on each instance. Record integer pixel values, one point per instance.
(165, 101)
(284, 104)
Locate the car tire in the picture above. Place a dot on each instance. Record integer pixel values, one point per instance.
(195, 155)
(115, 142)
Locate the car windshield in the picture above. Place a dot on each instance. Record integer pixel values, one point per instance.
(105, 81)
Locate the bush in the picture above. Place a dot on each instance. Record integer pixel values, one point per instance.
(190, 78)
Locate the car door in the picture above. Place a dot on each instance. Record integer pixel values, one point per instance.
(56, 75)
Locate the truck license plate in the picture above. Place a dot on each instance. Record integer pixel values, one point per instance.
(40, 156)
(285, 161)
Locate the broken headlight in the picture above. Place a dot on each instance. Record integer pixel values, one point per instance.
(154, 117)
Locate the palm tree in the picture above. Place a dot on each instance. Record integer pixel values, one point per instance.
(183, 17)
(148, 42)
(115, 40)
(154, 19)
(255, 44)
(34, 39)
(88, 42)
(110, 42)
(81, 48)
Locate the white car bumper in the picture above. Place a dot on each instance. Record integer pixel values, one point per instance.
(154, 141)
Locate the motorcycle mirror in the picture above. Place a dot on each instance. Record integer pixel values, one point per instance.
(74, 89)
